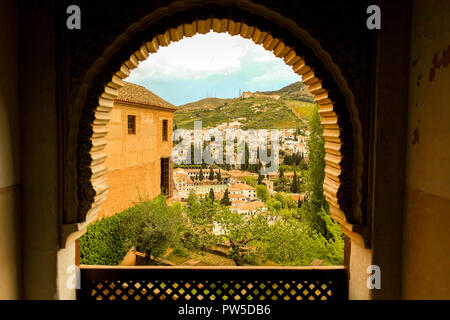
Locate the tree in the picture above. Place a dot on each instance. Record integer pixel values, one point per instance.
(316, 168)
(260, 178)
(212, 197)
(282, 185)
(286, 241)
(240, 233)
(200, 177)
(211, 174)
(226, 199)
(262, 193)
(197, 233)
(219, 176)
(159, 226)
(281, 173)
(294, 185)
(274, 205)
(192, 154)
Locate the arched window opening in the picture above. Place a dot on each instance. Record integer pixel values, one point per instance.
(245, 170)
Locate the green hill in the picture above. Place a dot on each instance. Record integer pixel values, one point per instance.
(290, 111)
(207, 103)
(295, 91)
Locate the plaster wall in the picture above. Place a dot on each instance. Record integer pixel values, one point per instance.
(426, 245)
(39, 148)
(133, 160)
(360, 259)
(9, 155)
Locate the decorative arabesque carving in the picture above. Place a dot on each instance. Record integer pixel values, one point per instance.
(100, 58)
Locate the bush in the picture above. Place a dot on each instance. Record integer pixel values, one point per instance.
(105, 242)
(159, 226)
(148, 225)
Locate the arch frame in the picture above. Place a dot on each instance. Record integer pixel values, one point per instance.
(337, 106)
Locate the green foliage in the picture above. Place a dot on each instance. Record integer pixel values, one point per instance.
(106, 241)
(291, 242)
(212, 197)
(295, 188)
(288, 241)
(274, 205)
(159, 226)
(277, 114)
(280, 201)
(316, 168)
(260, 179)
(262, 193)
(219, 176)
(282, 184)
(197, 234)
(240, 232)
(226, 199)
(295, 159)
(211, 174)
(250, 180)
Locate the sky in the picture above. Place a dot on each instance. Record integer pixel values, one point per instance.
(211, 65)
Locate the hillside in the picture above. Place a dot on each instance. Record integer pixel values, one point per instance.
(207, 103)
(291, 110)
(295, 91)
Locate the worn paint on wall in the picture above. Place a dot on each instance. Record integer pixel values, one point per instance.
(426, 247)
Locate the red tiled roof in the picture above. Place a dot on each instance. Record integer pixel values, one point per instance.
(134, 93)
(242, 186)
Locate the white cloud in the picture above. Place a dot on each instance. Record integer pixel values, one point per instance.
(275, 74)
(201, 56)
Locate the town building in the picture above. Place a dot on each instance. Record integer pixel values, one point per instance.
(183, 185)
(249, 208)
(139, 146)
(244, 189)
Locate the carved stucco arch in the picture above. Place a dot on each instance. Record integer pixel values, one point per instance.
(339, 115)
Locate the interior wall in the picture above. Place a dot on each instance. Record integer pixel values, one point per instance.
(426, 258)
(390, 127)
(9, 155)
(39, 152)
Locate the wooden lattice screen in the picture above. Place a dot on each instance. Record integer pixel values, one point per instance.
(198, 284)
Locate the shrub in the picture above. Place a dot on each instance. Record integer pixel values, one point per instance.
(149, 225)
(105, 242)
(159, 226)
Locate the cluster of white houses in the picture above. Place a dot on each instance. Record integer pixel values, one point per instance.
(242, 196)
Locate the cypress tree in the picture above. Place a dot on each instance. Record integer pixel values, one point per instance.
(212, 197)
(316, 167)
(260, 179)
(200, 177)
(211, 174)
(219, 176)
(226, 199)
(294, 186)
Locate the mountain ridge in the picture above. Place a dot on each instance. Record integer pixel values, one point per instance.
(288, 107)
(296, 90)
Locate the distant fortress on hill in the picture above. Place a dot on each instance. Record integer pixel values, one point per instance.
(249, 94)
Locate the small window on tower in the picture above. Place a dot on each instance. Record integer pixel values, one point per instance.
(165, 130)
(131, 124)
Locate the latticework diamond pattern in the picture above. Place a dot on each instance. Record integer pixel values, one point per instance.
(191, 284)
(221, 290)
